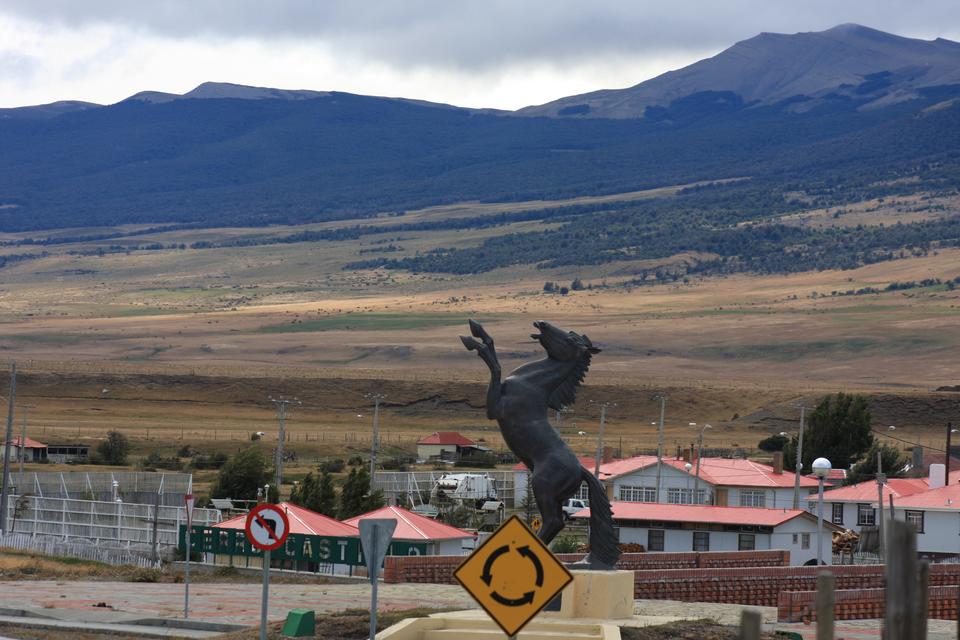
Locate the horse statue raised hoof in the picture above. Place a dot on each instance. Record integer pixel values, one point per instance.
(519, 404)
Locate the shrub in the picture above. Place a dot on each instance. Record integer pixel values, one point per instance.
(566, 544)
(332, 466)
(114, 449)
(773, 443)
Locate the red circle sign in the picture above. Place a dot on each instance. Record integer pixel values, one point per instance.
(267, 527)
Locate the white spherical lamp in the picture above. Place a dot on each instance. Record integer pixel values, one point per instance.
(821, 467)
(688, 466)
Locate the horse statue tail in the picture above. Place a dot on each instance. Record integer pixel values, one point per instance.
(603, 541)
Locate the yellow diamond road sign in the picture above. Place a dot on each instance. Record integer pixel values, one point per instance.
(512, 575)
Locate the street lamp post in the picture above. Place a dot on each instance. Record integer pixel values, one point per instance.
(688, 467)
(798, 466)
(821, 469)
(696, 490)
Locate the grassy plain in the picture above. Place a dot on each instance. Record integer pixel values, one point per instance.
(180, 346)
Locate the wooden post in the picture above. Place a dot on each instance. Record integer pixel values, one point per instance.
(825, 605)
(750, 625)
(923, 602)
(901, 614)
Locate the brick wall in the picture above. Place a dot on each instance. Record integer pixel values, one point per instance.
(762, 586)
(439, 569)
(858, 604)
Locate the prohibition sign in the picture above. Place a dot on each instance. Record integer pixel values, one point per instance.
(267, 527)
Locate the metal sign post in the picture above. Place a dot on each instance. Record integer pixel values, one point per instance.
(267, 528)
(188, 499)
(375, 536)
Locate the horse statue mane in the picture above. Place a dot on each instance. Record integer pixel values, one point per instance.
(519, 404)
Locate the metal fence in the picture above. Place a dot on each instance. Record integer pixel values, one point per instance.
(415, 486)
(139, 487)
(84, 551)
(117, 524)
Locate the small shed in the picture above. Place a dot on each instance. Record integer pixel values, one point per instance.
(441, 539)
(440, 444)
(32, 450)
(63, 453)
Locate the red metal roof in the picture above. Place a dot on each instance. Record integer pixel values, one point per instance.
(412, 526)
(943, 499)
(699, 513)
(867, 491)
(30, 443)
(447, 437)
(734, 472)
(301, 521)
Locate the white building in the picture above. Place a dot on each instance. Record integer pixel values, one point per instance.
(444, 444)
(722, 482)
(855, 506)
(936, 515)
(31, 450)
(680, 528)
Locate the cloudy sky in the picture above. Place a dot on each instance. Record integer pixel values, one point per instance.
(495, 53)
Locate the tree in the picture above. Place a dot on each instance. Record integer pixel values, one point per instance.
(893, 462)
(114, 449)
(316, 494)
(356, 497)
(773, 443)
(838, 430)
(243, 475)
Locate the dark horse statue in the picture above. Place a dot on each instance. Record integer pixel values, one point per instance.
(519, 404)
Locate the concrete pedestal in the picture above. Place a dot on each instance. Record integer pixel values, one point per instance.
(606, 595)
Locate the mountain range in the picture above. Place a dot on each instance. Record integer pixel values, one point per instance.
(850, 105)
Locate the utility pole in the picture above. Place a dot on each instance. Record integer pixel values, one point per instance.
(375, 440)
(603, 420)
(281, 404)
(798, 467)
(23, 436)
(881, 479)
(6, 448)
(947, 457)
(663, 408)
(696, 491)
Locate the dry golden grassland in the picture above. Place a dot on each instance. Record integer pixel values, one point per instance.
(162, 342)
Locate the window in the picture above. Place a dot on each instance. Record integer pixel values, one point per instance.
(865, 515)
(684, 496)
(701, 541)
(655, 540)
(630, 493)
(584, 492)
(837, 516)
(805, 541)
(916, 519)
(753, 498)
(747, 542)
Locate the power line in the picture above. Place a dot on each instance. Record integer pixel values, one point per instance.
(281, 404)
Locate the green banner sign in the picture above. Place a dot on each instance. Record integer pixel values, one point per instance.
(298, 547)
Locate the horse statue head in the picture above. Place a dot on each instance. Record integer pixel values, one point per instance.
(572, 351)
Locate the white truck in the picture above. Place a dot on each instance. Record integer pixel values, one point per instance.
(573, 505)
(467, 488)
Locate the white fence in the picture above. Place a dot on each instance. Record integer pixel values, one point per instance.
(139, 487)
(84, 551)
(117, 524)
(415, 486)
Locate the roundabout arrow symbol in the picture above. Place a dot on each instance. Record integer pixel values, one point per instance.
(486, 576)
(530, 555)
(527, 598)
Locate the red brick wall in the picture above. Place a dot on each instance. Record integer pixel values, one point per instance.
(439, 569)
(762, 586)
(858, 604)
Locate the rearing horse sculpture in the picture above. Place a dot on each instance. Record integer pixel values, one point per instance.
(519, 404)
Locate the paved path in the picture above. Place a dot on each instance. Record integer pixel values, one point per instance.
(231, 603)
(240, 603)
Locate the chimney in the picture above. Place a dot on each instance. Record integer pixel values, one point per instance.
(778, 462)
(917, 457)
(679, 453)
(686, 455)
(937, 476)
(607, 455)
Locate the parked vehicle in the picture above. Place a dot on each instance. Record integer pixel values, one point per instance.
(467, 488)
(572, 506)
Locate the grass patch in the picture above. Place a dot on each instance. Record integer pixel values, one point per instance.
(705, 629)
(368, 322)
(350, 624)
(790, 351)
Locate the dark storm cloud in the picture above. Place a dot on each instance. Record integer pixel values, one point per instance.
(481, 35)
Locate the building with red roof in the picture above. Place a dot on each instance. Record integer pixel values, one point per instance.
(302, 521)
(441, 539)
(32, 450)
(722, 481)
(679, 528)
(445, 444)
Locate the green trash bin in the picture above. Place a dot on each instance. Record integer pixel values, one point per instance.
(300, 623)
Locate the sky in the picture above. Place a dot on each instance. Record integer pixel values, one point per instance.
(496, 53)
